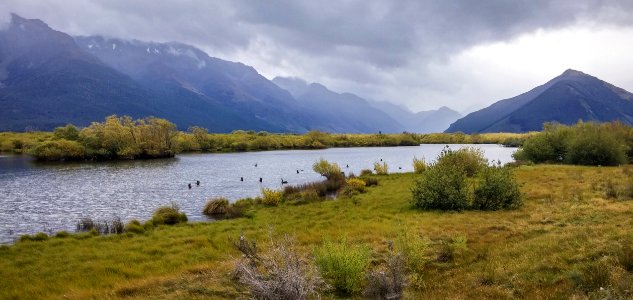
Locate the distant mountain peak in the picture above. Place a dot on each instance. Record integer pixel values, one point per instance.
(567, 98)
(27, 24)
(572, 72)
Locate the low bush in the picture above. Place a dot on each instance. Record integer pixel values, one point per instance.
(271, 197)
(343, 265)
(134, 226)
(583, 144)
(356, 184)
(386, 282)
(168, 215)
(470, 159)
(62, 234)
(370, 181)
(381, 168)
(498, 189)
(365, 172)
(329, 170)
(419, 165)
(442, 186)
(217, 207)
(38, 237)
(282, 273)
(413, 249)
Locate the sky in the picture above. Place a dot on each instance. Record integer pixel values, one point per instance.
(421, 54)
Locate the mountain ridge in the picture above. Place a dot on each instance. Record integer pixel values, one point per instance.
(567, 98)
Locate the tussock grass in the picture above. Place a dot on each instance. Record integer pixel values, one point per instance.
(544, 249)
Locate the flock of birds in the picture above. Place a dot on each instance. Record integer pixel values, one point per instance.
(261, 180)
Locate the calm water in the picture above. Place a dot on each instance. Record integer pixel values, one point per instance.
(52, 197)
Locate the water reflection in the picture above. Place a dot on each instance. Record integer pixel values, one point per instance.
(38, 196)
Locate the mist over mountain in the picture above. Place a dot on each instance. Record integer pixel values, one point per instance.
(49, 79)
(566, 99)
(421, 122)
(344, 112)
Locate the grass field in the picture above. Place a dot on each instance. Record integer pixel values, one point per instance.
(567, 241)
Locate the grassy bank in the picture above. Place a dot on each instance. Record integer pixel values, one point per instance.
(567, 240)
(125, 138)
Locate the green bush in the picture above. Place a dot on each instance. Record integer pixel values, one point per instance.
(419, 165)
(59, 150)
(497, 189)
(442, 186)
(331, 171)
(271, 197)
(343, 265)
(356, 184)
(370, 181)
(582, 144)
(366, 172)
(62, 234)
(470, 159)
(594, 146)
(168, 215)
(381, 168)
(216, 207)
(134, 226)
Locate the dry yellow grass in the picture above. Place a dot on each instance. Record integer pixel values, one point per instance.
(544, 250)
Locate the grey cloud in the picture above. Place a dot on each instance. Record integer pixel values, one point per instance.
(358, 44)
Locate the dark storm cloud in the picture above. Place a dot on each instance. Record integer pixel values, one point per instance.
(361, 43)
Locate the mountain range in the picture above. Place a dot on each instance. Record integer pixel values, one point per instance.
(49, 78)
(566, 99)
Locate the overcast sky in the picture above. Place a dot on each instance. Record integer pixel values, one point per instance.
(421, 54)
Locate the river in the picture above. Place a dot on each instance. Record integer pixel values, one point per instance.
(51, 197)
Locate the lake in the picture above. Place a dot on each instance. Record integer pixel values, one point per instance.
(51, 197)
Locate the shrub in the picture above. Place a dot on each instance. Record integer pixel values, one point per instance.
(498, 189)
(279, 274)
(134, 226)
(343, 265)
(386, 282)
(583, 143)
(303, 197)
(327, 169)
(370, 181)
(593, 145)
(365, 172)
(381, 168)
(419, 165)
(26, 238)
(451, 249)
(470, 159)
(442, 186)
(413, 249)
(271, 197)
(59, 150)
(62, 234)
(356, 184)
(168, 215)
(40, 236)
(216, 207)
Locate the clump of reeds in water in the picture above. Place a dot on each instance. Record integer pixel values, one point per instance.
(114, 226)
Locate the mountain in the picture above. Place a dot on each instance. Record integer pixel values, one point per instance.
(342, 112)
(46, 80)
(240, 97)
(566, 99)
(429, 121)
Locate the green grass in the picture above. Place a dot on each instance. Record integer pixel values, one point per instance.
(542, 250)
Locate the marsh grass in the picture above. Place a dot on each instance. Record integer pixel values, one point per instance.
(540, 250)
